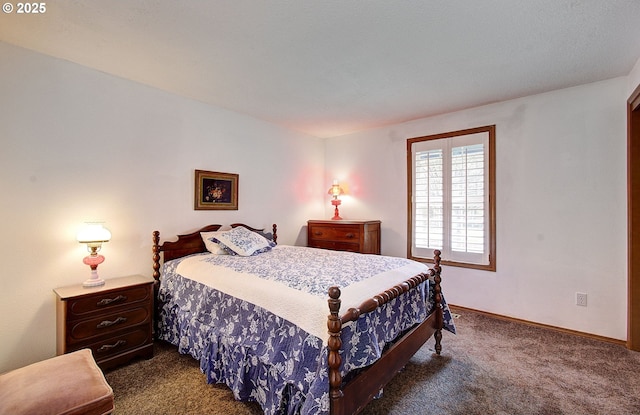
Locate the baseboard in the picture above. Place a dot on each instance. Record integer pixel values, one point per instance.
(623, 343)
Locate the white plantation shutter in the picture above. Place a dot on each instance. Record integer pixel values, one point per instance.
(450, 189)
(429, 201)
(468, 227)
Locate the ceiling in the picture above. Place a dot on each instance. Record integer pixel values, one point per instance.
(331, 67)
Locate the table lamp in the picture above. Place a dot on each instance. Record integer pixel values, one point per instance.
(336, 191)
(94, 235)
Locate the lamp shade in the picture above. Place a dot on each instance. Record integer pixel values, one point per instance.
(93, 232)
(335, 190)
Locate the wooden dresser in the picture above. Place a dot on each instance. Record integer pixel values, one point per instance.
(115, 320)
(345, 235)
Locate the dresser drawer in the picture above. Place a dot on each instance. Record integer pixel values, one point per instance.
(343, 233)
(334, 245)
(80, 308)
(103, 324)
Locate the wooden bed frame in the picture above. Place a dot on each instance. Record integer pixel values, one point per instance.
(351, 397)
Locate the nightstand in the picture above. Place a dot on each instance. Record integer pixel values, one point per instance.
(345, 235)
(115, 320)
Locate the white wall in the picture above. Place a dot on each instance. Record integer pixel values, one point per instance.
(561, 203)
(79, 145)
(634, 78)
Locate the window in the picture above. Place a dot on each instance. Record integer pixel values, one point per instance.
(452, 197)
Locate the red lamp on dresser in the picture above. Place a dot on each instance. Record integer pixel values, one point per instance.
(94, 235)
(336, 191)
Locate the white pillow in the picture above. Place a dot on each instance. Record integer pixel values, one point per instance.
(241, 241)
(213, 247)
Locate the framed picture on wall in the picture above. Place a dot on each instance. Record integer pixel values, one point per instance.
(216, 191)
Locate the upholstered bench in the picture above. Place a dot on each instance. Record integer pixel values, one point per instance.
(69, 384)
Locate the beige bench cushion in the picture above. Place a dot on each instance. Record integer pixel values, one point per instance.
(69, 384)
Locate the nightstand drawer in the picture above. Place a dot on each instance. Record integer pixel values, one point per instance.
(343, 233)
(118, 344)
(105, 324)
(104, 303)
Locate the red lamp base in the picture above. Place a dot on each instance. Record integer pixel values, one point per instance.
(336, 213)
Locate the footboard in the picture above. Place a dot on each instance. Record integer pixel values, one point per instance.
(351, 398)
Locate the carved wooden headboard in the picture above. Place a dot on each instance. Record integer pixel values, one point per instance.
(192, 243)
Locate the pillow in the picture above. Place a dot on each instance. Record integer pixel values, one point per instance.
(241, 241)
(213, 247)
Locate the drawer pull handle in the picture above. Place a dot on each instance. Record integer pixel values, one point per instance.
(107, 347)
(107, 301)
(107, 323)
(317, 233)
(350, 235)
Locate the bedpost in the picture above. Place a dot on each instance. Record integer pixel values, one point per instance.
(275, 232)
(334, 324)
(156, 285)
(156, 255)
(437, 291)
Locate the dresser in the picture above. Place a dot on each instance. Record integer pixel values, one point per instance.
(345, 235)
(115, 320)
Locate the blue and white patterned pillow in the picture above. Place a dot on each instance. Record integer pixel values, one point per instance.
(243, 242)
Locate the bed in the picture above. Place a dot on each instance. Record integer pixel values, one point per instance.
(258, 322)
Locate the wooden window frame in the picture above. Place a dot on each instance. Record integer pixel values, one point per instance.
(491, 209)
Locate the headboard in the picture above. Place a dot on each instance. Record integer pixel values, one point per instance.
(192, 243)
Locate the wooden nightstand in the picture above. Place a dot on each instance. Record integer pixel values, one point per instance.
(345, 235)
(115, 320)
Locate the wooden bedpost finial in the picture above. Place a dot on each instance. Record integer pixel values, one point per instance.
(156, 255)
(436, 261)
(275, 232)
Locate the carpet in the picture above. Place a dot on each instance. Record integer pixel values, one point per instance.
(492, 366)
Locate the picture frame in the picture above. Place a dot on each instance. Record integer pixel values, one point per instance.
(215, 190)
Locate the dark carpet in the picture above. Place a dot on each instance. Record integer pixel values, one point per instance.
(492, 366)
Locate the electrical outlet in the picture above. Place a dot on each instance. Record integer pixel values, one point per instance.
(581, 299)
